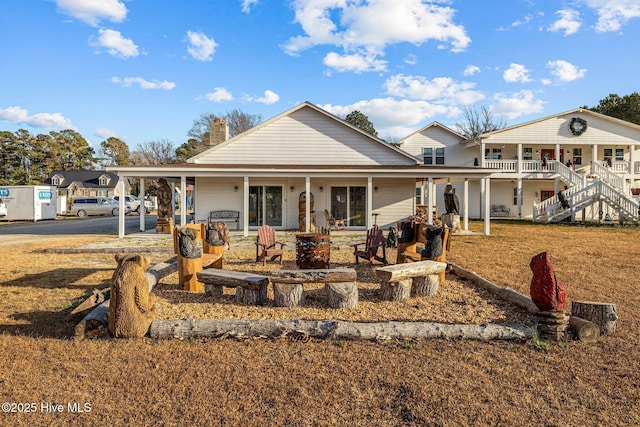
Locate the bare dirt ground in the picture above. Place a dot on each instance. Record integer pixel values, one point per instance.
(283, 382)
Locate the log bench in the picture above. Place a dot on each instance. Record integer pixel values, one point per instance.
(250, 288)
(400, 281)
(340, 286)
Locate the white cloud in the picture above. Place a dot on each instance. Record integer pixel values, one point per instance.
(471, 70)
(565, 71)
(440, 89)
(144, 84)
(516, 73)
(613, 14)
(201, 47)
(569, 22)
(356, 62)
(19, 115)
(517, 104)
(269, 97)
(357, 26)
(219, 94)
(411, 59)
(391, 117)
(93, 11)
(246, 5)
(105, 133)
(115, 44)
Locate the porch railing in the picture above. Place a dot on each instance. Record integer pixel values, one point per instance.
(504, 166)
(569, 176)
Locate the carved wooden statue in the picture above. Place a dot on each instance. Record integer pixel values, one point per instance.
(451, 203)
(165, 208)
(130, 307)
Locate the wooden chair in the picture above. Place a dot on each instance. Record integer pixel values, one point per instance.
(375, 242)
(334, 224)
(266, 245)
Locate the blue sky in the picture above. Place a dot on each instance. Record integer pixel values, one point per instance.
(144, 70)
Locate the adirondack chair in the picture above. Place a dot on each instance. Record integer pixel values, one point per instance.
(334, 224)
(375, 242)
(266, 245)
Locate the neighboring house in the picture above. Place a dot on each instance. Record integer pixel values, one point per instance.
(77, 183)
(266, 172)
(592, 158)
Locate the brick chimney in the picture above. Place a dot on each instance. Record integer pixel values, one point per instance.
(218, 130)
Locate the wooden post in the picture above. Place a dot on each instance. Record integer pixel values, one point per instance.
(399, 290)
(251, 295)
(584, 330)
(342, 295)
(602, 314)
(288, 294)
(426, 285)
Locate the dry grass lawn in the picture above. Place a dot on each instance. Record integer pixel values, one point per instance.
(282, 382)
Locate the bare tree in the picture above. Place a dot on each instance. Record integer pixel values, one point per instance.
(154, 153)
(476, 122)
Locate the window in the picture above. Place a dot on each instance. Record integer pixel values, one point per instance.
(55, 180)
(418, 196)
(349, 203)
(515, 196)
(577, 156)
(608, 154)
(493, 154)
(102, 193)
(619, 154)
(428, 156)
(527, 153)
(104, 180)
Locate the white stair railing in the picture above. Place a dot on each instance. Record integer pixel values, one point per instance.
(569, 176)
(606, 175)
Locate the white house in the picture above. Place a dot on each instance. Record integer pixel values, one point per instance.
(592, 158)
(271, 173)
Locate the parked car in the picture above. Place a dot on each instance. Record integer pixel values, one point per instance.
(83, 206)
(3, 209)
(133, 201)
(150, 205)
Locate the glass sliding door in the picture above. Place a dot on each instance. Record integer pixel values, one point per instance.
(265, 205)
(350, 204)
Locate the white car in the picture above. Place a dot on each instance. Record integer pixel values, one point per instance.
(3, 209)
(132, 201)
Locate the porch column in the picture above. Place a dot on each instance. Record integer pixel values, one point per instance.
(556, 185)
(369, 213)
(173, 202)
(430, 202)
(519, 155)
(594, 155)
(183, 200)
(307, 206)
(487, 203)
(483, 187)
(423, 192)
(142, 210)
(519, 197)
(465, 201)
(558, 152)
(245, 207)
(121, 212)
(632, 171)
(482, 162)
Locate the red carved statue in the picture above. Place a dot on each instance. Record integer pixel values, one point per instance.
(546, 292)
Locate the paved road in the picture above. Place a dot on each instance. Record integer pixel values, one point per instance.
(72, 226)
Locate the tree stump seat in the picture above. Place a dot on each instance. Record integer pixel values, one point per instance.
(340, 286)
(250, 288)
(401, 280)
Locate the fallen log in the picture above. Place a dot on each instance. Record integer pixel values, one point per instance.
(584, 330)
(331, 329)
(506, 294)
(99, 316)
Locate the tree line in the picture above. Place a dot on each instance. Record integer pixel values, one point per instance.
(27, 159)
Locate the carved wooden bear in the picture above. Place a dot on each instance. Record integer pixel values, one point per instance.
(131, 307)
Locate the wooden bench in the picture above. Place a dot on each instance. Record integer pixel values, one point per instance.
(226, 216)
(340, 286)
(250, 288)
(400, 279)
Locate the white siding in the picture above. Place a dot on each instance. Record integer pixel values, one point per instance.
(217, 194)
(436, 136)
(394, 200)
(305, 137)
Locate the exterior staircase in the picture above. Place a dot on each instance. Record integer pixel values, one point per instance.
(583, 191)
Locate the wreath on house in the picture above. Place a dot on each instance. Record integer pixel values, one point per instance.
(577, 126)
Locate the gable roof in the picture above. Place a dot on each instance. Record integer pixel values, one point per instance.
(83, 179)
(583, 111)
(305, 135)
(427, 127)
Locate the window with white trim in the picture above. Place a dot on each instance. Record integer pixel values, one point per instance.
(577, 156)
(527, 153)
(619, 154)
(55, 180)
(103, 180)
(433, 157)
